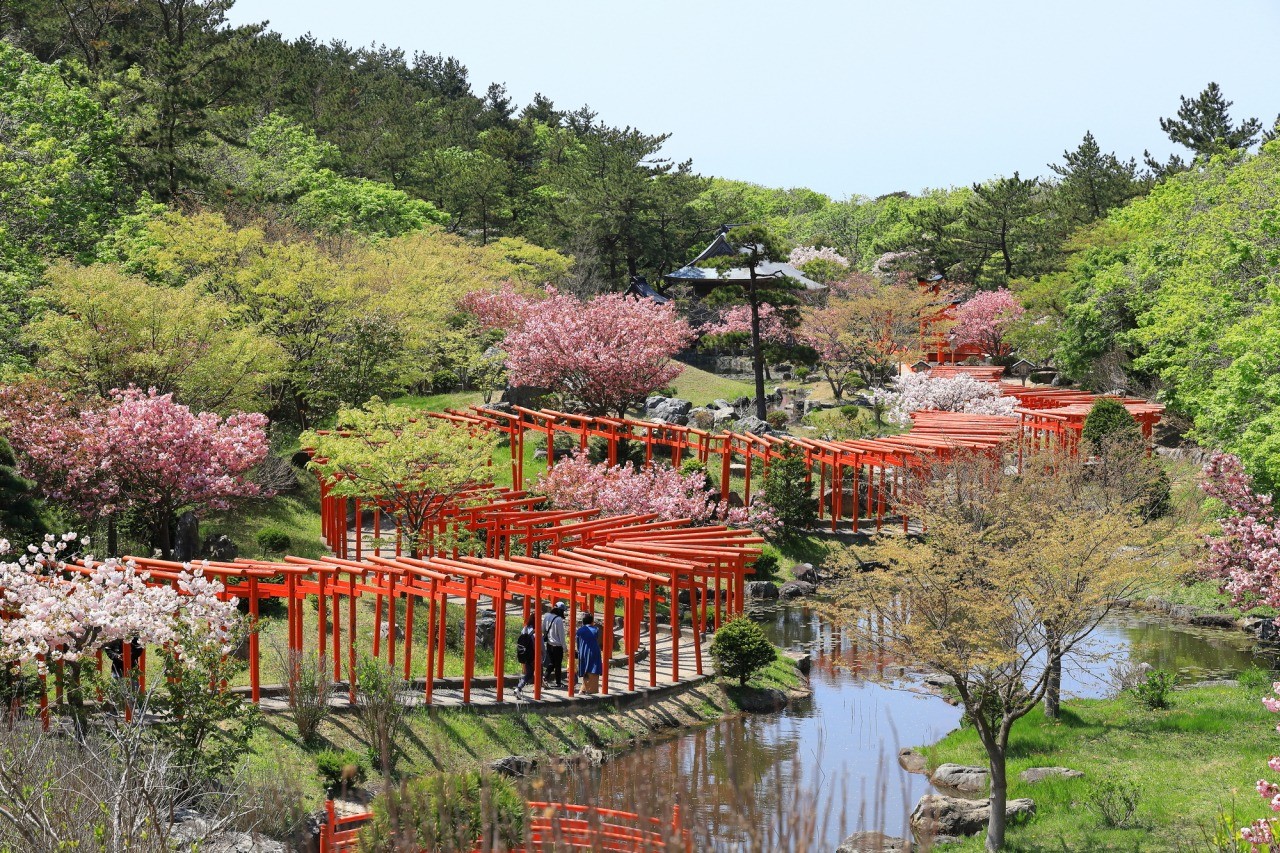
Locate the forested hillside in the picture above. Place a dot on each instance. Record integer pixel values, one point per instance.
(312, 213)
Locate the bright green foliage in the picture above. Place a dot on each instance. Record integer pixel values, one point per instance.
(273, 540)
(341, 768)
(1181, 286)
(208, 729)
(788, 489)
(21, 512)
(104, 329)
(414, 466)
(60, 180)
(740, 649)
(447, 811)
(1153, 691)
(1108, 419)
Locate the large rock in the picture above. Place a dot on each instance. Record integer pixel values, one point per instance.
(805, 572)
(958, 777)
(796, 589)
(667, 410)
(760, 700)
(186, 541)
(1213, 620)
(874, 842)
(762, 590)
(193, 830)
(937, 815)
(1039, 774)
(754, 425)
(912, 761)
(219, 548)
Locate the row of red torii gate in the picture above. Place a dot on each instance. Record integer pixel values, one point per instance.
(662, 584)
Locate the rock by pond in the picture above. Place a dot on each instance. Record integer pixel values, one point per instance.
(874, 842)
(912, 761)
(1039, 774)
(796, 589)
(762, 590)
(515, 766)
(938, 815)
(959, 777)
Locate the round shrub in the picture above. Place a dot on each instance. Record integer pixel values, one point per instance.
(1109, 420)
(273, 540)
(341, 768)
(778, 419)
(445, 812)
(740, 649)
(766, 566)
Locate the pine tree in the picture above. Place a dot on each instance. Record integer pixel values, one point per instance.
(21, 514)
(1204, 125)
(1092, 182)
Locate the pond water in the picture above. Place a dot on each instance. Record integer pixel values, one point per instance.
(827, 766)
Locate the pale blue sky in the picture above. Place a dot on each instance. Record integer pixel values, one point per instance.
(844, 97)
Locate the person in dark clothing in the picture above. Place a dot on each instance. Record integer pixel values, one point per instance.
(553, 636)
(525, 653)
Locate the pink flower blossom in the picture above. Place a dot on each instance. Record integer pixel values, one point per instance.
(918, 392)
(984, 319)
(802, 255)
(624, 490)
(737, 320)
(606, 353)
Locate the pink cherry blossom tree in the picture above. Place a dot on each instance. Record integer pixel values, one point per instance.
(984, 318)
(143, 451)
(917, 392)
(624, 490)
(1245, 556)
(606, 353)
(736, 320)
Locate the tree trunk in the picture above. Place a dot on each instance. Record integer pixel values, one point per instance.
(999, 796)
(1053, 690)
(757, 351)
(113, 537)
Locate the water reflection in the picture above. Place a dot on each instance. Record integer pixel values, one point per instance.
(836, 752)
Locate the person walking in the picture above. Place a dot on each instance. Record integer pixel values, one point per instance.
(525, 653)
(553, 637)
(590, 661)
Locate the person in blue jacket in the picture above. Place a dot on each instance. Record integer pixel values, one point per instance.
(590, 663)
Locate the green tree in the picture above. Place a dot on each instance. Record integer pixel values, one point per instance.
(1108, 419)
(414, 467)
(61, 181)
(105, 330)
(788, 488)
(741, 649)
(1092, 183)
(754, 247)
(21, 510)
(1205, 126)
(1005, 228)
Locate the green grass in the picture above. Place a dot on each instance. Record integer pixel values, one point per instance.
(700, 387)
(297, 513)
(1205, 596)
(1190, 763)
(440, 402)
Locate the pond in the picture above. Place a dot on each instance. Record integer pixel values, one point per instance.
(827, 766)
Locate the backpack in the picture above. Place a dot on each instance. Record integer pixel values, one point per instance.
(524, 648)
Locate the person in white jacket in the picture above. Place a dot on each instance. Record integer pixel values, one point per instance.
(553, 636)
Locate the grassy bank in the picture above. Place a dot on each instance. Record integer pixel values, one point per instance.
(1187, 764)
(456, 739)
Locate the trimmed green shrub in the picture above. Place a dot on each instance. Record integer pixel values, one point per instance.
(273, 540)
(341, 768)
(777, 419)
(789, 491)
(447, 812)
(766, 566)
(1109, 420)
(740, 649)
